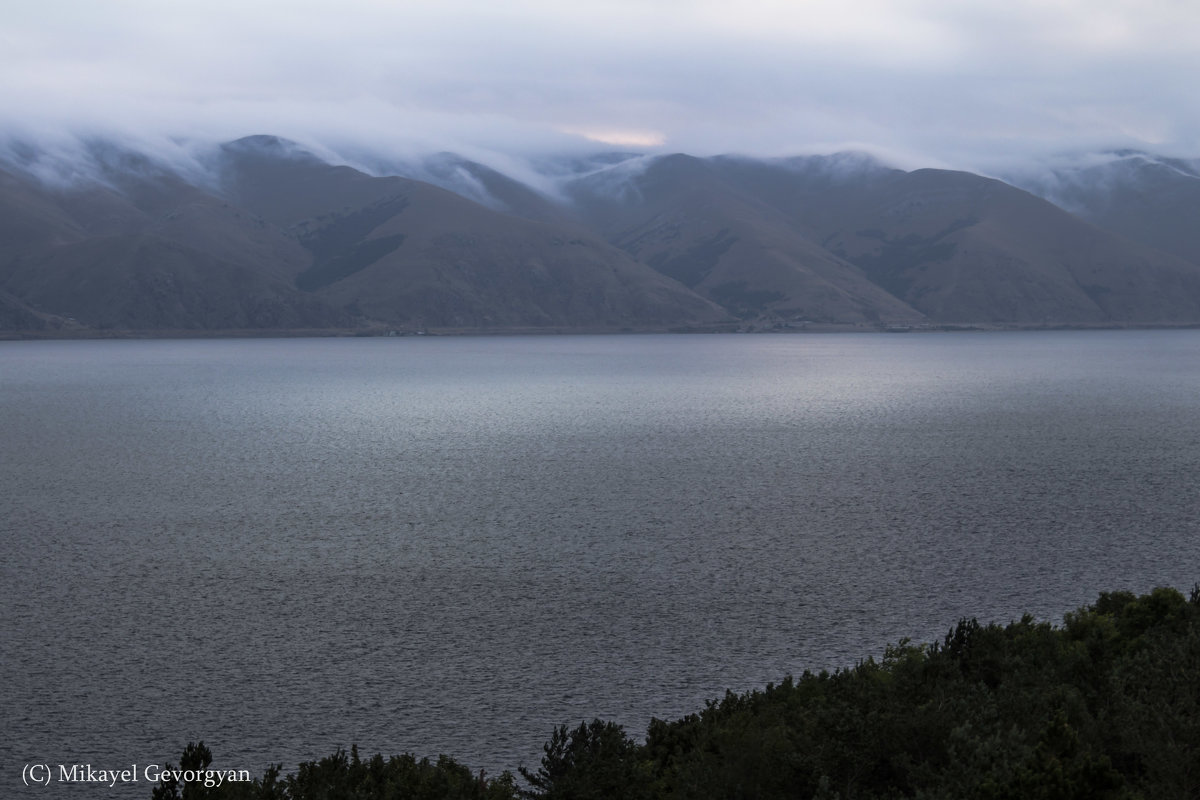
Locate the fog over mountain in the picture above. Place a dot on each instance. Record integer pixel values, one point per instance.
(1147, 198)
(606, 127)
(264, 233)
(921, 83)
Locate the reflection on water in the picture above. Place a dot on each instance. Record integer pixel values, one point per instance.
(452, 545)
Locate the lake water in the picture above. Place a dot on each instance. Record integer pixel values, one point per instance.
(455, 544)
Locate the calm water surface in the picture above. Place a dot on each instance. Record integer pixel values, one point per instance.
(452, 545)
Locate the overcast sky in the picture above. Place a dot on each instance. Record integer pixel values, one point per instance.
(964, 83)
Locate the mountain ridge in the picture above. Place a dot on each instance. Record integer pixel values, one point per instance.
(263, 234)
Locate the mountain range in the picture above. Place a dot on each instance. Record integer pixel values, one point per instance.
(262, 234)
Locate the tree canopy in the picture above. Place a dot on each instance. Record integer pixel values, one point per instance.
(1106, 705)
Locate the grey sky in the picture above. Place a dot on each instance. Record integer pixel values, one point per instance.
(966, 84)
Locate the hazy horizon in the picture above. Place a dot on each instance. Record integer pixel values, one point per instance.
(916, 84)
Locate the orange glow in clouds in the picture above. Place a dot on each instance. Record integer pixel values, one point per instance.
(621, 138)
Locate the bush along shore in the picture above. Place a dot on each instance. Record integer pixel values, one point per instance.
(1106, 705)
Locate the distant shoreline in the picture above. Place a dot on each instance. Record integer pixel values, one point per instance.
(731, 328)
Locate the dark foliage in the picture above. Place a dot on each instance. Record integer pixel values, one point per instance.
(592, 762)
(347, 777)
(1107, 705)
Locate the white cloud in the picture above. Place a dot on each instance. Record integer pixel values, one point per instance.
(948, 82)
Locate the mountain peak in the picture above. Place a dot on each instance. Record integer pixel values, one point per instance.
(267, 146)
